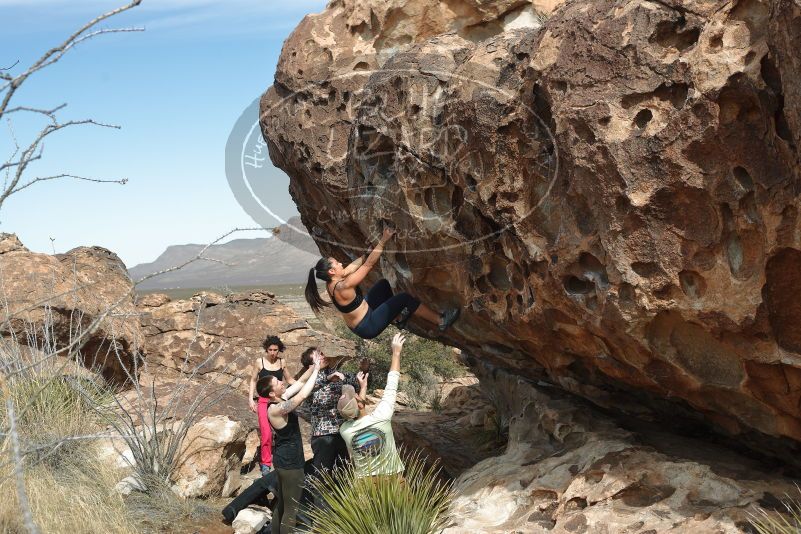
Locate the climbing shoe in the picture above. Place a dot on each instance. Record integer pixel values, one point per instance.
(447, 318)
(403, 319)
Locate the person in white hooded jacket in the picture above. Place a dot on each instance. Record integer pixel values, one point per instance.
(369, 438)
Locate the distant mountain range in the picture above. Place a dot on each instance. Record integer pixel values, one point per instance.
(284, 258)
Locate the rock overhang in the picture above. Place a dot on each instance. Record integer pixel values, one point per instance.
(612, 197)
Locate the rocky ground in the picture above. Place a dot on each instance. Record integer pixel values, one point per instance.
(525, 456)
(569, 468)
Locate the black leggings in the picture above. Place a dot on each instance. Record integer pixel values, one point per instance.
(329, 452)
(383, 308)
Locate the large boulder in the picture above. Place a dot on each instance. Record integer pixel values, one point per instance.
(79, 303)
(611, 194)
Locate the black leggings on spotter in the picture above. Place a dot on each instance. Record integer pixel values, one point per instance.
(383, 308)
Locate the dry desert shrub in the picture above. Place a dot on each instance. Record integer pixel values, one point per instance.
(78, 496)
(48, 424)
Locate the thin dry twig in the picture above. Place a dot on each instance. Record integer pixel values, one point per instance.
(19, 473)
(57, 52)
(33, 152)
(121, 181)
(4, 75)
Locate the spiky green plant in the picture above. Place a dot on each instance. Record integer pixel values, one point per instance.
(787, 522)
(416, 503)
(54, 414)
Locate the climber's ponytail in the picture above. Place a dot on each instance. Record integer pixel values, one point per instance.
(312, 295)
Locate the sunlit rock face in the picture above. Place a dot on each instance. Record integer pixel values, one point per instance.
(73, 306)
(611, 193)
(568, 468)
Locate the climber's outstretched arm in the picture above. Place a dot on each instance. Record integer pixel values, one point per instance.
(356, 277)
(355, 264)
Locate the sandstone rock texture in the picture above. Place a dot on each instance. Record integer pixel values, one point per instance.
(208, 462)
(446, 435)
(611, 193)
(219, 337)
(569, 469)
(250, 521)
(80, 303)
(210, 458)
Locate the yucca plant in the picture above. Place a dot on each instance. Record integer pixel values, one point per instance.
(415, 503)
(787, 522)
(56, 412)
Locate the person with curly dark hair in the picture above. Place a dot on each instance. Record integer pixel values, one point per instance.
(262, 368)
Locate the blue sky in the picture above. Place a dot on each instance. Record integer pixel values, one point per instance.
(176, 89)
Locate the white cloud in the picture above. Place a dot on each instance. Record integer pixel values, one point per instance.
(160, 5)
(250, 14)
(216, 17)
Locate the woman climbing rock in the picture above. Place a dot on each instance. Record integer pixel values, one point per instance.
(368, 316)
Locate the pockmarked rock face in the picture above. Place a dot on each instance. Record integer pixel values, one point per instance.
(79, 303)
(611, 194)
(220, 337)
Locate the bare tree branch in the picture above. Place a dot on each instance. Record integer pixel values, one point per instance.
(19, 472)
(6, 76)
(99, 32)
(10, 164)
(10, 86)
(56, 53)
(49, 113)
(28, 155)
(121, 181)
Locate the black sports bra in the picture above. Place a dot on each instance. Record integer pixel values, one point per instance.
(352, 305)
(278, 373)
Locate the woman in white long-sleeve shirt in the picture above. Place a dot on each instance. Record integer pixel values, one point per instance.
(369, 438)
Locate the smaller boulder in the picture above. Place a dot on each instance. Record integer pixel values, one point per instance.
(10, 243)
(250, 521)
(252, 443)
(128, 485)
(212, 454)
(152, 300)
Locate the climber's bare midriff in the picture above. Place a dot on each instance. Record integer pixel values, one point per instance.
(352, 319)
